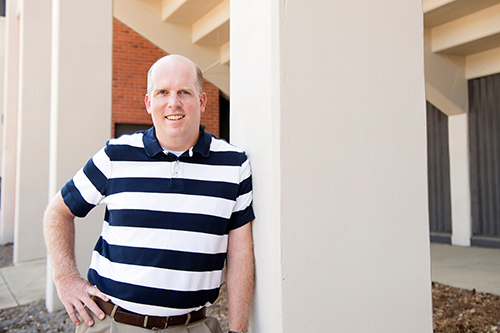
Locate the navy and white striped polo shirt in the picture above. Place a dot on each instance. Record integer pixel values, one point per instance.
(163, 243)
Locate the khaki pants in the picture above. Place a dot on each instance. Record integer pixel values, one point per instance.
(108, 325)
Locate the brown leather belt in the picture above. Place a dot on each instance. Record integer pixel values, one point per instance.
(130, 318)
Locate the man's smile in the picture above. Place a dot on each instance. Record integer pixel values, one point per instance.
(175, 117)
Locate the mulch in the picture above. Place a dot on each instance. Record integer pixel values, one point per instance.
(458, 310)
(455, 310)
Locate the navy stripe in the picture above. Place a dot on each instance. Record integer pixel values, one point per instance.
(245, 186)
(74, 200)
(167, 220)
(167, 185)
(227, 158)
(95, 176)
(239, 219)
(168, 259)
(153, 296)
(118, 152)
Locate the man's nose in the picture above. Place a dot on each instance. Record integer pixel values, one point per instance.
(174, 101)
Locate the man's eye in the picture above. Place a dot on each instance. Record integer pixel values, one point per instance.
(184, 92)
(162, 92)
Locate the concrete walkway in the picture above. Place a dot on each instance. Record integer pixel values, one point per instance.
(464, 267)
(22, 284)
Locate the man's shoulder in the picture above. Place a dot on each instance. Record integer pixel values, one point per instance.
(224, 153)
(221, 145)
(133, 140)
(126, 147)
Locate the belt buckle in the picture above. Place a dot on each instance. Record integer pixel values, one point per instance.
(145, 324)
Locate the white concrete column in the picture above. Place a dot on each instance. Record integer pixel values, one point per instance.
(461, 220)
(328, 99)
(2, 71)
(80, 104)
(33, 129)
(9, 124)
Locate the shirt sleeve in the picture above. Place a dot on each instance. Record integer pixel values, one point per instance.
(243, 209)
(88, 187)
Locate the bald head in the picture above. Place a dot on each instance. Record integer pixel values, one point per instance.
(178, 61)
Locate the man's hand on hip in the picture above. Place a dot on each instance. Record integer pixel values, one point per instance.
(75, 293)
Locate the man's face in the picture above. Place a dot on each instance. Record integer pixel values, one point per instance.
(174, 103)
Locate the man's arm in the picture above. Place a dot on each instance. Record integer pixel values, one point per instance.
(73, 290)
(240, 277)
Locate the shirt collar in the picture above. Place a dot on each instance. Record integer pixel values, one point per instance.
(153, 147)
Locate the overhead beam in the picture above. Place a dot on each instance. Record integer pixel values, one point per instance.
(440, 101)
(482, 64)
(473, 33)
(437, 12)
(186, 12)
(213, 28)
(170, 7)
(224, 54)
(430, 5)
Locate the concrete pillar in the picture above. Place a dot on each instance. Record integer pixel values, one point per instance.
(9, 124)
(328, 99)
(2, 71)
(80, 105)
(461, 220)
(33, 129)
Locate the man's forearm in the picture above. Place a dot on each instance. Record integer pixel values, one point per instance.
(74, 291)
(240, 278)
(59, 232)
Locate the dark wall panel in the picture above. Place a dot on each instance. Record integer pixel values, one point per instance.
(484, 140)
(438, 158)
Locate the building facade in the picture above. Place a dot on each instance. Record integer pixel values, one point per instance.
(351, 166)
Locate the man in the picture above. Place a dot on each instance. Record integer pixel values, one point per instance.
(178, 203)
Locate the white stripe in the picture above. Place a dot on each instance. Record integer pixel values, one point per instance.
(152, 310)
(243, 201)
(101, 161)
(246, 171)
(155, 277)
(164, 239)
(86, 188)
(171, 202)
(220, 173)
(125, 169)
(134, 140)
(219, 145)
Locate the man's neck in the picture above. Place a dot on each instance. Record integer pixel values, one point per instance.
(178, 144)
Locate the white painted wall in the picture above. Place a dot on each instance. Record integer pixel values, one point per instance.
(328, 99)
(80, 104)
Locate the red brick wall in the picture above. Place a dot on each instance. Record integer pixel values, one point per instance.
(132, 57)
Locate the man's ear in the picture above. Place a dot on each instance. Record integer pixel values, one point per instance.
(203, 102)
(147, 101)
